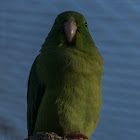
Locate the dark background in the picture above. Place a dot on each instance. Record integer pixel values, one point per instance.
(115, 28)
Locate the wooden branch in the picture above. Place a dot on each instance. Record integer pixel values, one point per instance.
(47, 136)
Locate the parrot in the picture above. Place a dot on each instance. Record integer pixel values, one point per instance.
(65, 81)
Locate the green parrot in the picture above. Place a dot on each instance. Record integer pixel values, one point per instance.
(64, 86)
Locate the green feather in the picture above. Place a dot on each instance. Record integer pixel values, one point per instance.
(64, 87)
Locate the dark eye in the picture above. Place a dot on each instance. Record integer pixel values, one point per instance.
(86, 24)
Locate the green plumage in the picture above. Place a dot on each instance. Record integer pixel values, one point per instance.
(64, 87)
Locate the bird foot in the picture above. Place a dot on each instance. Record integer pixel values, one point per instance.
(76, 136)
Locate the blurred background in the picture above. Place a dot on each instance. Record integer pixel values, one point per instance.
(115, 28)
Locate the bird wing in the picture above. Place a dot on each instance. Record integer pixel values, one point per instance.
(35, 93)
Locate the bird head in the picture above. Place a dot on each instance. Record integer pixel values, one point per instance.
(69, 29)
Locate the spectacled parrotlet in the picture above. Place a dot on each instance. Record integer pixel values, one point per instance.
(64, 86)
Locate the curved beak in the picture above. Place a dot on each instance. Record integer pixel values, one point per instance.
(70, 29)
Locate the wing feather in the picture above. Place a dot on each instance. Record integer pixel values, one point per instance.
(35, 93)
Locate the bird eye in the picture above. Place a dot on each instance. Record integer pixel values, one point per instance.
(86, 24)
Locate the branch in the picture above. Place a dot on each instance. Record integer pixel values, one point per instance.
(47, 136)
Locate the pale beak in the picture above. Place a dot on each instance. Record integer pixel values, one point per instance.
(70, 29)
